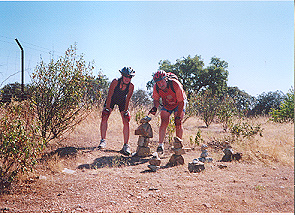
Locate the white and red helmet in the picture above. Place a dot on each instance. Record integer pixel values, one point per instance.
(159, 75)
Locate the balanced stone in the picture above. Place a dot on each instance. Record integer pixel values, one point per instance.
(145, 119)
(144, 130)
(178, 151)
(177, 143)
(153, 167)
(143, 141)
(155, 162)
(175, 160)
(142, 151)
(204, 146)
(196, 166)
(204, 153)
(228, 153)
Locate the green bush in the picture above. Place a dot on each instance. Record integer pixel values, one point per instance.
(207, 106)
(226, 112)
(245, 129)
(285, 113)
(20, 143)
(60, 93)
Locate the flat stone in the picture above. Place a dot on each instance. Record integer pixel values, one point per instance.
(222, 166)
(143, 141)
(177, 143)
(228, 151)
(143, 151)
(204, 146)
(144, 130)
(153, 168)
(175, 160)
(156, 155)
(196, 166)
(155, 162)
(145, 119)
(206, 159)
(178, 151)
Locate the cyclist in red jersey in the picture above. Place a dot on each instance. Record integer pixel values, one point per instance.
(120, 92)
(173, 99)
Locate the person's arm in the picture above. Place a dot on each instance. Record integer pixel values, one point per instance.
(111, 92)
(130, 92)
(180, 97)
(156, 101)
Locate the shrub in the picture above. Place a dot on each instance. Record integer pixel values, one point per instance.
(59, 93)
(170, 130)
(245, 129)
(140, 98)
(20, 143)
(226, 112)
(285, 113)
(207, 105)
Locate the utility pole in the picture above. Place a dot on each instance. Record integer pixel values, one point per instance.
(22, 67)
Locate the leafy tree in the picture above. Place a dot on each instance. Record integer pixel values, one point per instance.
(20, 142)
(285, 113)
(140, 98)
(97, 88)
(207, 105)
(194, 77)
(59, 93)
(243, 101)
(267, 101)
(227, 111)
(216, 76)
(10, 91)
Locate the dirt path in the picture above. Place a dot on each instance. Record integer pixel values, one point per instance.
(91, 181)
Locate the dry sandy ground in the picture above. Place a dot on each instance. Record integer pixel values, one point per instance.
(106, 181)
(92, 180)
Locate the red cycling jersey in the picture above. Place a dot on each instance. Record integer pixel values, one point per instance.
(170, 99)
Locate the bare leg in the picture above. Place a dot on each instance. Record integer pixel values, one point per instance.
(179, 128)
(125, 128)
(104, 126)
(165, 116)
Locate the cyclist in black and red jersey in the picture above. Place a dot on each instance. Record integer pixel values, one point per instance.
(170, 90)
(120, 92)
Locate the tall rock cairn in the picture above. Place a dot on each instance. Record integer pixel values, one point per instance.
(145, 132)
(177, 158)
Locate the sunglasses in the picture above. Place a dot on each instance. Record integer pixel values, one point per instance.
(128, 76)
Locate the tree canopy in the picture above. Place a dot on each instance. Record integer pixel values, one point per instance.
(194, 77)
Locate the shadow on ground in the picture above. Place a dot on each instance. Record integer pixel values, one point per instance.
(113, 161)
(68, 151)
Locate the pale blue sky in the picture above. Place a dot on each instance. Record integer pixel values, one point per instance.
(256, 38)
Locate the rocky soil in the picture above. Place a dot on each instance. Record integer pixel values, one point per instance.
(91, 180)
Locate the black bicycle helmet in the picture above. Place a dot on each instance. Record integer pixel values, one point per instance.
(127, 71)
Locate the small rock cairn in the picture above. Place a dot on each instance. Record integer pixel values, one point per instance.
(177, 158)
(229, 155)
(197, 165)
(154, 162)
(204, 155)
(145, 132)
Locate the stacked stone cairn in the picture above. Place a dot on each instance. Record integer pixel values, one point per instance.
(229, 155)
(154, 162)
(198, 164)
(204, 155)
(145, 132)
(177, 158)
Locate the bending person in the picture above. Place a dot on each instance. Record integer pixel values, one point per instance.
(173, 99)
(119, 93)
